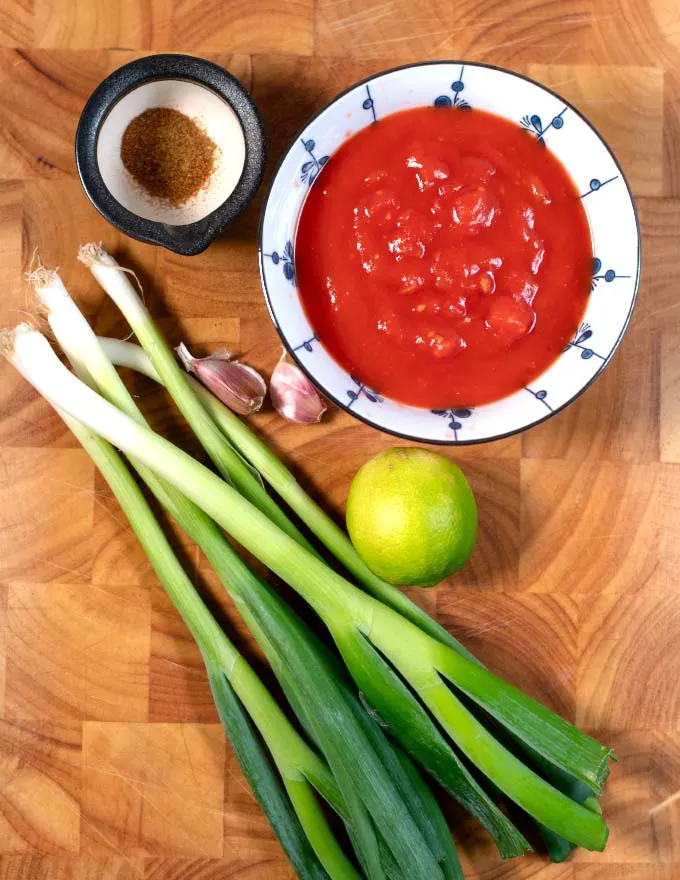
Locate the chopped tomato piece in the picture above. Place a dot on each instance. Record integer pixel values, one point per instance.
(474, 209)
(509, 319)
(441, 345)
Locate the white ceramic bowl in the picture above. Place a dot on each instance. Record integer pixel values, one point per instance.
(606, 198)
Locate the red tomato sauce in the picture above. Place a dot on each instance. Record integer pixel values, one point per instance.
(443, 257)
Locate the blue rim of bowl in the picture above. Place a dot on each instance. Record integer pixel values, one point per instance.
(339, 403)
(191, 238)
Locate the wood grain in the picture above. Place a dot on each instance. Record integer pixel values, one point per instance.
(152, 789)
(112, 763)
(40, 779)
(65, 660)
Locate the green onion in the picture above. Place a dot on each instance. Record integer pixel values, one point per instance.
(354, 617)
(306, 677)
(336, 540)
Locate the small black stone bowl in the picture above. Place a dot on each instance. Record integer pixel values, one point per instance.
(203, 91)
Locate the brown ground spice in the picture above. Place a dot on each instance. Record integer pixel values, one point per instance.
(168, 154)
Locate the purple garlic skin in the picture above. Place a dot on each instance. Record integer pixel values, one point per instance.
(293, 395)
(237, 385)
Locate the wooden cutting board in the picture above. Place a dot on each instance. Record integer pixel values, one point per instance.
(112, 763)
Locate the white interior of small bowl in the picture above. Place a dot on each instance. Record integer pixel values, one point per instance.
(213, 114)
(606, 200)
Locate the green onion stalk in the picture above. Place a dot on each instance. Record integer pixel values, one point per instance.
(406, 675)
(109, 274)
(453, 775)
(369, 774)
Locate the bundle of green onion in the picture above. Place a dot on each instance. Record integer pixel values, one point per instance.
(390, 682)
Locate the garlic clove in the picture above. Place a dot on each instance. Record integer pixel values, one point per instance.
(293, 395)
(237, 385)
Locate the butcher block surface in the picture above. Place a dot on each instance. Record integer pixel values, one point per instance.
(112, 760)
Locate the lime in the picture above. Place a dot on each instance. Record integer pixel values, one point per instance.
(412, 516)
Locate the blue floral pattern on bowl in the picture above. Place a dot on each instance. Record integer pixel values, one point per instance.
(608, 275)
(355, 394)
(541, 396)
(312, 165)
(285, 258)
(457, 87)
(307, 344)
(606, 200)
(582, 335)
(595, 184)
(369, 104)
(534, 124)
(454, 417)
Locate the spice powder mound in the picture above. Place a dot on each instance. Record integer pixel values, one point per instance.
(168, 154)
